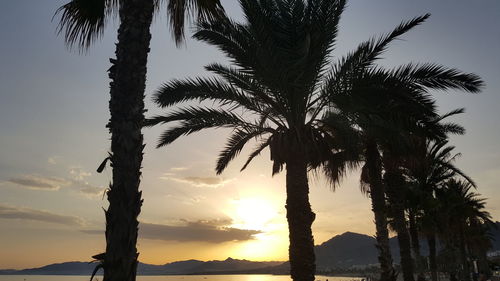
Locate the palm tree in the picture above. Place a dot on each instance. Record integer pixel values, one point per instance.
(287, 98)
(463, 210)
(390, 107)
(429, 168)
(81, 23)
(280, 56)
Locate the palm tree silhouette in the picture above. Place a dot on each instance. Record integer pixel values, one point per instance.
(390, 107)
(280, 56)
(82, 22)
(462, 210)
(430, 167)
(305, 111)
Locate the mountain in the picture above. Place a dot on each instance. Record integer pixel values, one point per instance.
(67, 268)
(343, 251)
(180, 267)
(355, 250)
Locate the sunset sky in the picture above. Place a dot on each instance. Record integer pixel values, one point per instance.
(54, 107)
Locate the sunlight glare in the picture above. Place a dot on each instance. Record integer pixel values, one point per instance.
(253, 213)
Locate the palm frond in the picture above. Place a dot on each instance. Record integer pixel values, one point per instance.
(82, 22)
(201, 89)
(194, 119)
(198, 114)
(256, 152)
(201, 10)
(234, 145)
(435, 76)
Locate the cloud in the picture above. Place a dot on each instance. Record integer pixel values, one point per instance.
(178, 169)
(92, 190)
(210, 231)
(76, 181)
(198, 181)
(92, 231)
(39, 182)
(78, 173)
(52, 160)
(9, 212)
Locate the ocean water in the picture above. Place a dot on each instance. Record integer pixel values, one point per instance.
(172, 278)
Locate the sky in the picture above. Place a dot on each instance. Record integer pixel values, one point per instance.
(53, 111)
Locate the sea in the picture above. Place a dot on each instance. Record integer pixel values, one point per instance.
(252, 277)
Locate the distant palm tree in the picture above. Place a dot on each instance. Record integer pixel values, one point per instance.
(81, 23)
(390, 107)
(430, 167)
(462, 211)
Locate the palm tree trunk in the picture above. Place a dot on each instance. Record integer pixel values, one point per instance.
(431, 241)
(394, 183)
(300, 218)
(379, 208)
(463, 257)
(415, 243)
(483, 263)
(128, 77)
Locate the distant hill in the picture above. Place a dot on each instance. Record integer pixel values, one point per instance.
(342, 251)
(354, 249)
(180, 267)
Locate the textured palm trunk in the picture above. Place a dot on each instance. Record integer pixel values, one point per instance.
(300, 218)
(379, 208)
(394, 184)
(463, 257)
(483, 263)
(415, 244)
(128, 77)
(431, 241)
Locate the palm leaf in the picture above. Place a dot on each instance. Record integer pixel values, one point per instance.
(234, 145)
(82, 22)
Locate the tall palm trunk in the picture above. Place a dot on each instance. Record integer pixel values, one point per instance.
(300, 218)
(431, 241)
(463, 256)
(394, 183)
(379, 208)
(128, 77)
(483, 264)
(415, 244)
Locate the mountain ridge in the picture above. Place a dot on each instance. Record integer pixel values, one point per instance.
(346, 250)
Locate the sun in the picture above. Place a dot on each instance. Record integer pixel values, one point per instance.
(253, 214)
(260, 214)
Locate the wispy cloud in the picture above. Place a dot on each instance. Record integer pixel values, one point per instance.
(210, 231)
(79, 182)
(92, 191)
(178, 169)
(10, 212)
(39, 182)
(213, 182)
(78, 173)
(76, 181)
(53, 160)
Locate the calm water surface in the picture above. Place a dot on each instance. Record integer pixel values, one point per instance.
(172, 278)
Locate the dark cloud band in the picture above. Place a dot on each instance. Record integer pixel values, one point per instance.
(198, 231)
(9, 212)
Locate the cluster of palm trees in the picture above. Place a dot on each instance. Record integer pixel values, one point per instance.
(441, 206)
(284, 90)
